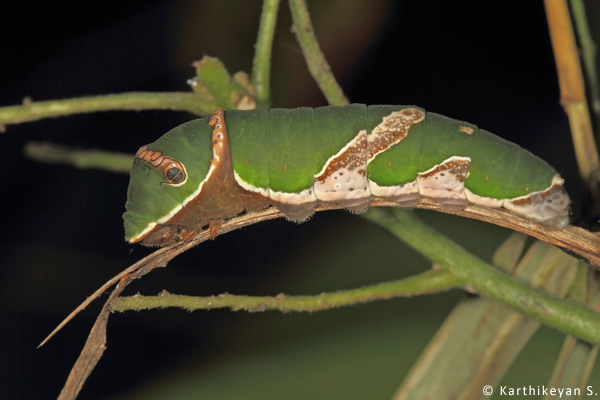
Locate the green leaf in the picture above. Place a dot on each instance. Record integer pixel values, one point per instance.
(214, 78)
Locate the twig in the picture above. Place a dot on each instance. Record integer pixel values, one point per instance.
(317, 65)
(79, 158)
(32, 110)
(427, 282)
(261, 65)
(588, 53)
(575, 240)
(91, 353)
(574, 318)
(572, 90)
(96, 343)
(569, 317)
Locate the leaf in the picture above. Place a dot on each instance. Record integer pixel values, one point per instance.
(214, 79)
(481, 338)
(577, 357)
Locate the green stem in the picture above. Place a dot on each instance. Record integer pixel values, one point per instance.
(567, 316)
(317, 65)
(261, 66)
(588, 52)
(32, 111)
(79, 158)
(428, 282)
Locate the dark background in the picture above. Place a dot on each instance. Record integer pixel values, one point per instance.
(489, 63)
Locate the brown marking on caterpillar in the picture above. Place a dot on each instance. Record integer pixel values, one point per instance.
(457, 168)
(218, 196)
(352, 158)
(343, 179)
(170, 169)
(550, 206)
(392, 130)
(445, 182)
(544, 196)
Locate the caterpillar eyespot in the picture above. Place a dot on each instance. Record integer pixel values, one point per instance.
(171, 170)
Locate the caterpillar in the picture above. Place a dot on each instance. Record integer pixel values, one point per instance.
(216, 167)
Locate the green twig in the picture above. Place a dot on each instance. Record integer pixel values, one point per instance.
(572, 89)
(567, 316)
(32, 111)
(588, 52)
(261, 65)
(317, 65)
(428, 282)
(79, 158)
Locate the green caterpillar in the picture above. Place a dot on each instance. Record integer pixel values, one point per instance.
(216, 167)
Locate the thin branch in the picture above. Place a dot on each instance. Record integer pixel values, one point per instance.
(96, 342)
(80, 158)
(91, 353)
(576, 240)
(160, 258)
(32, 111)
(569, 317)
(261, 65)
(572, 90)
(317, 65)
(576, 319)
(588, 52)
(428, 282)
